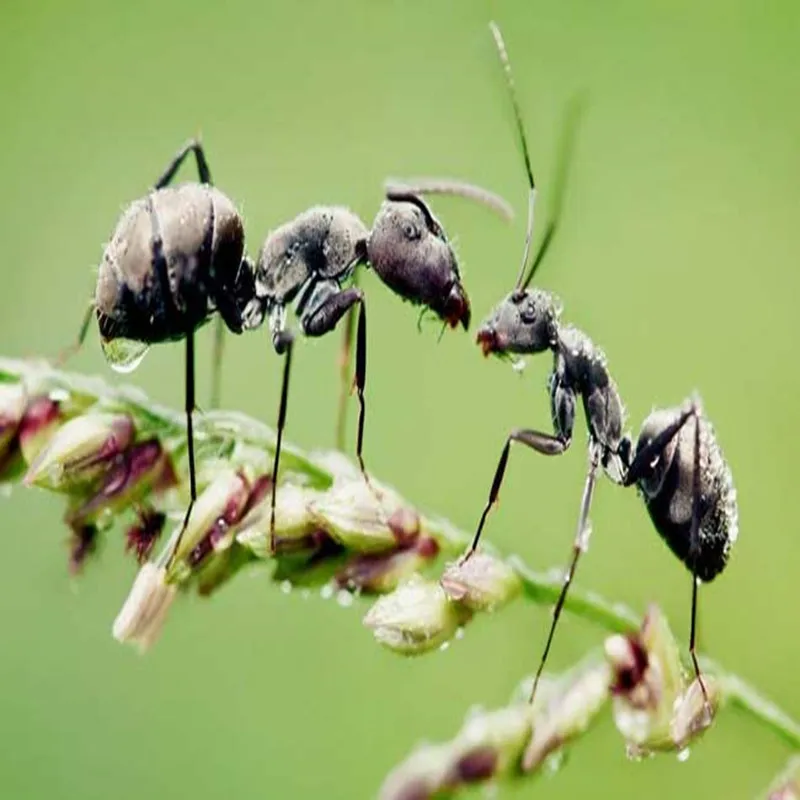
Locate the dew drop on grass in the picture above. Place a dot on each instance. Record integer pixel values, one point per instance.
(286, 586)
(634, 752)
(326, 592)
(124, 355)
(684, 754)
(460, 632)
(5, 490)
(444, 645)
(344, 598)
(554, 762)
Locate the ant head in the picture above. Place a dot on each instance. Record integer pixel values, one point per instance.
(652, 479)
(409, 251)
(526, 321)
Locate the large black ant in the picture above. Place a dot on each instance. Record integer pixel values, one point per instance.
(176, 258)
(685, 482)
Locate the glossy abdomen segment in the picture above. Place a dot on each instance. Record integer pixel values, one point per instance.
(168, 253)
(671, 509)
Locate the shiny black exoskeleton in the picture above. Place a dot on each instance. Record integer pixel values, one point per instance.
(175, 259)
(679, 468)
(675, 447)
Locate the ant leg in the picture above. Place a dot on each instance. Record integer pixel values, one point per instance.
(345, 382)
(192, 146)
(283, 342)
(71, 350)
(643, 459)
(216, 360)
(190, 404)
(543, 443)
(694, 547)
(579, 546)
(562, 410)
(324, 309)
(361, 380)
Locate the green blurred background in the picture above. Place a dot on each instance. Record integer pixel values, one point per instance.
(678, 254)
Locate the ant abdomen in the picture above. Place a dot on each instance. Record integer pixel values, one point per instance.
(667, 487)
(171, 256)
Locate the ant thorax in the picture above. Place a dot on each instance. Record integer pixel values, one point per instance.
(583, 360)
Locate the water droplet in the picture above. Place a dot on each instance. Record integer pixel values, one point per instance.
(444, 645)
(124, 355)
(5, 489)
(326, 592)
(460, 632)
(305, 593)
(344, 598)
(286, 586)
(621, 609)
(634, 752)
(554, 762)
(554, 574)
(684, 754)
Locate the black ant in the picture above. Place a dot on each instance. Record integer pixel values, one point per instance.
(176, 258)
(688, 492)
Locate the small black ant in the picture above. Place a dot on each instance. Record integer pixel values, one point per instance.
(688, 492)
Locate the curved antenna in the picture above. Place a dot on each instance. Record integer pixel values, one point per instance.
(512, 91)
(401, 194)
(451, 186)
(564, 155)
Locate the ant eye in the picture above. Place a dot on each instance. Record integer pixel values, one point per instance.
(527, 313)
(411, 232)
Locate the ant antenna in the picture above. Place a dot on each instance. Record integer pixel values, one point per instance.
(451, 186)
(512, 91)
(563, 160)
(564, 155)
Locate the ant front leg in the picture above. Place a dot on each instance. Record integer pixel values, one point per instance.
(345, 382)
(326, 306)
(562, 406)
